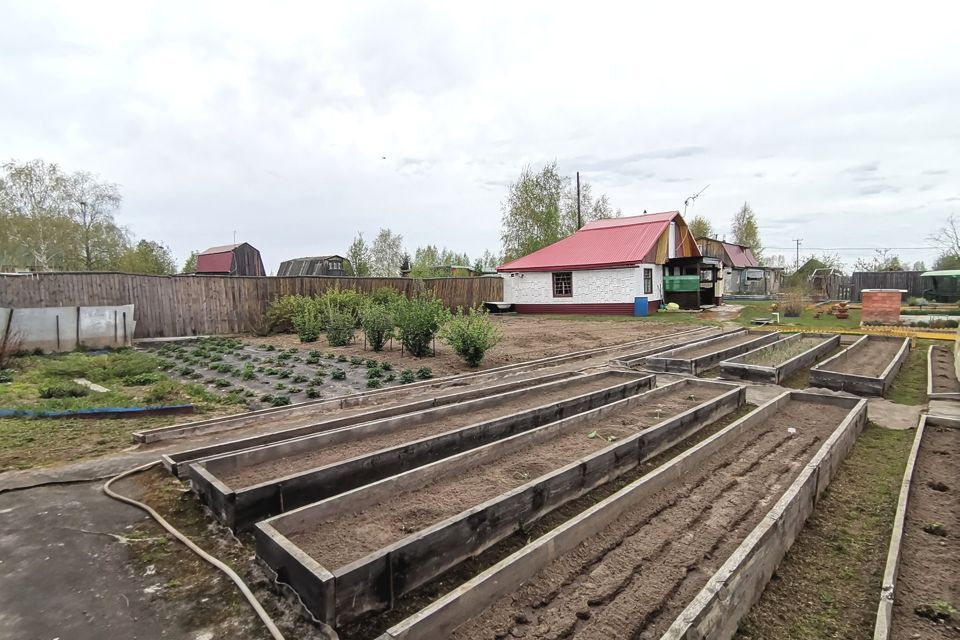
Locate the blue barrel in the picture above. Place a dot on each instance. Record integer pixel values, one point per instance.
(640, 306)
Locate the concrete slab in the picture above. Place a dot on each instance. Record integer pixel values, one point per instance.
(892, 415)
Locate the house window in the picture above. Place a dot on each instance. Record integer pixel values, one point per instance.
(647, 280)
(563, 284)
(336, 265)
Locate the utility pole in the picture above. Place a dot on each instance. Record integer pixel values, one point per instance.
(798, 241)
(578, 200)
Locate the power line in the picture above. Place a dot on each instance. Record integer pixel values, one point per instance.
(857, 248)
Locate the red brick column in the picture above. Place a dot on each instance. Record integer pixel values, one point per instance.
(881, 305)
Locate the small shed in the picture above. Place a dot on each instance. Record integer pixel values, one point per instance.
(231, 260)
(743, 275)
(315, 266)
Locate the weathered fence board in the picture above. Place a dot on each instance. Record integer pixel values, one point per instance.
(909, 280)
(168, 306)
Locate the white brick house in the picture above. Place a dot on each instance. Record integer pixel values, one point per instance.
(602, 268)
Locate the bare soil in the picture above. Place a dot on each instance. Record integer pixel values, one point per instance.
(525, 337)
(943, 372)
(346, 538)
(691, 352)
(632, 579)
(871, 358)
(254, 474)
(930, 560)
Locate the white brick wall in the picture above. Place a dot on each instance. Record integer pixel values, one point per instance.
(589, 287)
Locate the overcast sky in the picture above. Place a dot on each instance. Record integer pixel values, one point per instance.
(298, 124)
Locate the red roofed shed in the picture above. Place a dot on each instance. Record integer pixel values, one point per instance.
(231, 260)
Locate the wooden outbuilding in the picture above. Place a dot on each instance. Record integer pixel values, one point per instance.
(231, 260)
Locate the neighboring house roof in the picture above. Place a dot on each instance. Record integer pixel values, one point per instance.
(226, 248)
(741, 257)
(602, 243)
(308, 266)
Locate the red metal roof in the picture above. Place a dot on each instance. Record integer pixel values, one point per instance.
(601, 243)
(221, 249)
(740, 256)
(220, 262)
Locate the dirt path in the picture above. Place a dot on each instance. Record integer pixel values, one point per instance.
(247, 476)
(868, 359)
(930, 562)
(337, 542)
(632, 579)
(943, 373)
(691, 352)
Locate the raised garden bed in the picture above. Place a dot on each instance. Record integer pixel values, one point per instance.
(866, 367)
(920, 597)
(386, 539)
(426, 398)
(942, 380)
(776, 362)
(249, 485)
(683, 551)
(706, 354)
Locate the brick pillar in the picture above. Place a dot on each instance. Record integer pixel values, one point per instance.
(881, 305)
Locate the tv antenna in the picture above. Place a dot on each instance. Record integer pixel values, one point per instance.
(689, 202)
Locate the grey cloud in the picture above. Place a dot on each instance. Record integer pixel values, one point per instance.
(870, 167)
(875, 189)
(936, 172)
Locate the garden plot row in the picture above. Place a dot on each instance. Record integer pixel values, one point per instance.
(706, 354)
(307, 412)
(359, 551)
(427, 398)
(867, 367)
(683, 552)
(942, 383)
(248, 485)
(921, 584)
(774, 363)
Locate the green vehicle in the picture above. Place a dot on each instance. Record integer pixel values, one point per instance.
(941, 286)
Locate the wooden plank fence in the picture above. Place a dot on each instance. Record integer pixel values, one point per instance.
(909, 280)
(169, 306)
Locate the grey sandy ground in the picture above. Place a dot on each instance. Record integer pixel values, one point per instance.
(62, 573)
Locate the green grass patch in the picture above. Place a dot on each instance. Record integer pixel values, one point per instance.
(45, 383)
(753, 309)
(910, 385)
(827, 586)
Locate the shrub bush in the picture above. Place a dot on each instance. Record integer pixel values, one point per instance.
(307, 323)
(377, 322)
(338, 374)
(418, 321)
(374, 383)
(312, 393)
(6, 375)
(407, 376)
(387, 297)
(470, 334)
(792, 305)
(424, 373)
(374, 373)
(339, 326)
(280, 401)
(356, 361)
(64, 390)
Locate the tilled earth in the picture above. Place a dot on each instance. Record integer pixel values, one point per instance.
(930, 561)
(251, 475)
(869, 359)
(943, 372)
(691, 352)
(633, 578)
(351, 536)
